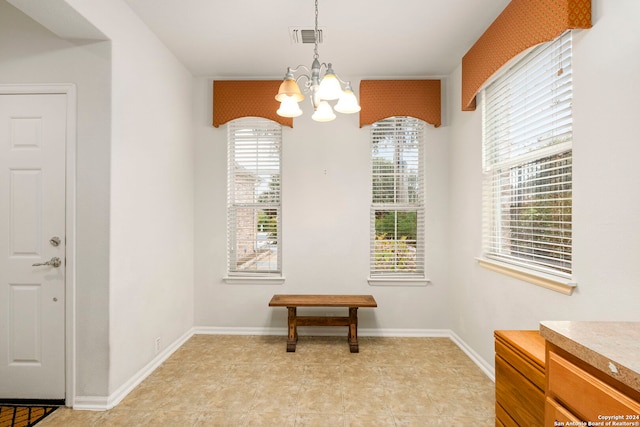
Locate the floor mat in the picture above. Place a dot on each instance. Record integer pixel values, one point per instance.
(23, 415)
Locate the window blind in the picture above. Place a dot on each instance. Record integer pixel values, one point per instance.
(397, 207)
(253, 196)
(527, 157)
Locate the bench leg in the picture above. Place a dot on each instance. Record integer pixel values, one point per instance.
(293, 330)
(353, 329)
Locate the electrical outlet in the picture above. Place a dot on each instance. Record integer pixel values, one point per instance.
(157, 345)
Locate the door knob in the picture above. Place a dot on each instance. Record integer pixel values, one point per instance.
(54, 262)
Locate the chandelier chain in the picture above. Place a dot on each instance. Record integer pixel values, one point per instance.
(315, 50)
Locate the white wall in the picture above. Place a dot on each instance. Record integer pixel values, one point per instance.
(31, 54)
(135, 182)
(152, 182)
(606, 210)
(325, 226)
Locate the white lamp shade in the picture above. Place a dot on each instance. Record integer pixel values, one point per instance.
(289, 107)
(289, 88)
(330, 87)
(347, 103)
(323, 113)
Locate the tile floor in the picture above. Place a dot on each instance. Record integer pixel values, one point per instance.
(215, 380)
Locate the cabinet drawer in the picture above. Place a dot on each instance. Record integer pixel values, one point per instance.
(583, 394)
(522, 399)
(554, 412)
(529, 369)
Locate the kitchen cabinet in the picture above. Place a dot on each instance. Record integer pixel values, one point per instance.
(520, 378)
(592, 375)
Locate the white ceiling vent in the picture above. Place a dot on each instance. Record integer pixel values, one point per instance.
(305, 35)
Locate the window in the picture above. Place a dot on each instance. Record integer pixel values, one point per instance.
(253, 197)
(397, 204)
(527, 150)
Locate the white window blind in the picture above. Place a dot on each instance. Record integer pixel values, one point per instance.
(397, 206)
(527, 156)
(253, 196)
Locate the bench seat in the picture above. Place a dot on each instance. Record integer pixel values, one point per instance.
(352, 302)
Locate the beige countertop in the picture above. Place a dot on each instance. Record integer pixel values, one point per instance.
(612, 347)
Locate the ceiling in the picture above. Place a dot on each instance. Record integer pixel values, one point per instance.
(362, 38)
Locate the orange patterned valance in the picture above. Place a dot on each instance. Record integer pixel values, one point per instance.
(521, 25)
(233, 99)
(380, 99)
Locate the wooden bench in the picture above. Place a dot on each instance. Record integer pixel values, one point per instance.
(353, 302)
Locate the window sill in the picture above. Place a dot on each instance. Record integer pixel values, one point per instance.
(398, 281)
(557, 284)
(254, 280)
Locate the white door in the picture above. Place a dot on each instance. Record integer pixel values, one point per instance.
(32, 231)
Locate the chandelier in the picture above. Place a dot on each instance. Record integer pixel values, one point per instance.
(321, 90)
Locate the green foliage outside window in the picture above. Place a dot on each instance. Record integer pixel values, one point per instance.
(396, 225)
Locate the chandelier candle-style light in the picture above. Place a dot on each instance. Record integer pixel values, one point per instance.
(322, 90)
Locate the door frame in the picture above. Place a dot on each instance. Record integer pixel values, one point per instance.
(69, 90)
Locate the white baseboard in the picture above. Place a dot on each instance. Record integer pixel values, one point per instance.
(91, 403)
(224, 330)
(416, 333)
(103, 403)
(475, 357)
(319, 331)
